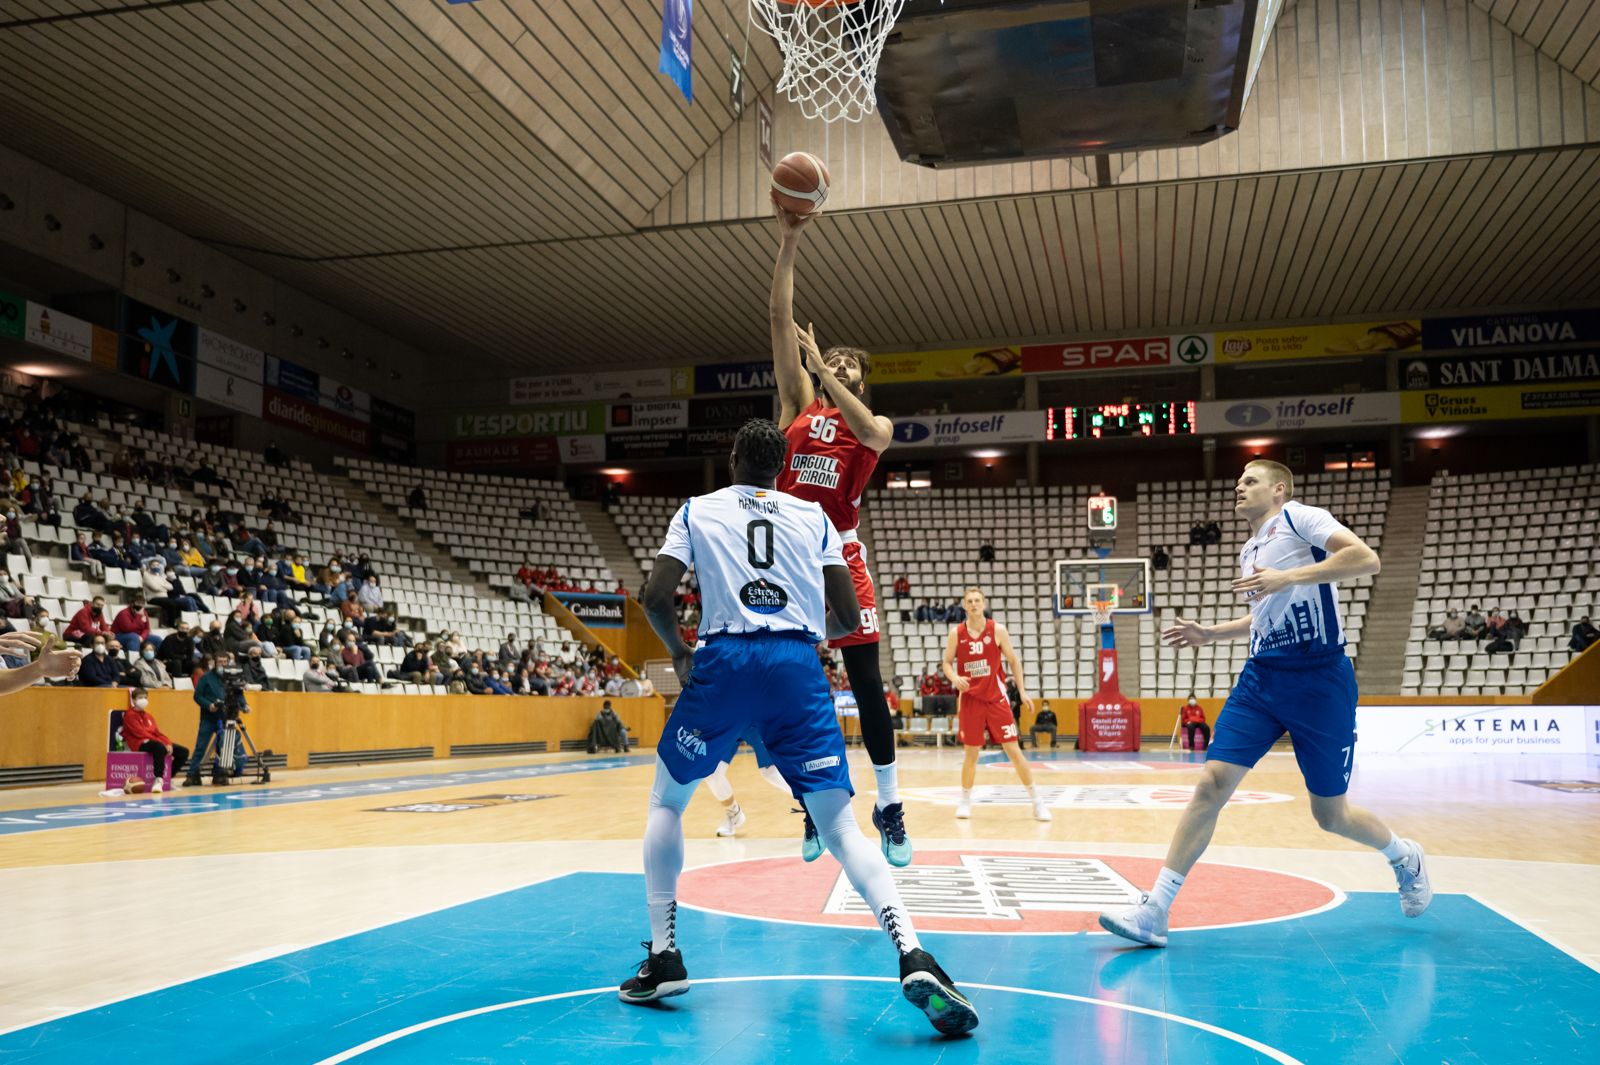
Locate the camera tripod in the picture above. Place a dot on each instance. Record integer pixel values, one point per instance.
(225, 742)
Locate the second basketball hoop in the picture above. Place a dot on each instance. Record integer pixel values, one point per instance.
(830, 51)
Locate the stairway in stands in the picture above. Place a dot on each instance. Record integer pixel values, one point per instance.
(608, 538)
(374, 508)
(1380, 661)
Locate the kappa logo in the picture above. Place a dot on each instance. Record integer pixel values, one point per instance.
(690, 745)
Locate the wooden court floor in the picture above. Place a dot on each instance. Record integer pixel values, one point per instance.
(111, 900)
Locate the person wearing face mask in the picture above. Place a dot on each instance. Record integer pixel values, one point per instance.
(317, 679)
(139, 549)
(100, 668)
(255, 672)
(78, 555)
(476, 683)
(357, 664)
(177, 652)
(1193, 717)
(131, 627)
(149, 671)
(15, 544)
(141, 733)
(89, 623)
(370, 596)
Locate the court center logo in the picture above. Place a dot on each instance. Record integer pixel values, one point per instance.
(1086, 796)
(976, 890)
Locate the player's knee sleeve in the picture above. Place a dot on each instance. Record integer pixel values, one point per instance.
(866, 683)
(718, 783)
(770, 774)
(667, 793)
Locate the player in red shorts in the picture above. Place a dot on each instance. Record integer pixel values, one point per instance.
(834, 443)
(972, 657)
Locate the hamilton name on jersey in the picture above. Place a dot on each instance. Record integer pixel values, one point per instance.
(815, 469)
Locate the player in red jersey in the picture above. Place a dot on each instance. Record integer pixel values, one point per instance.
(972, 657)
(834, 443)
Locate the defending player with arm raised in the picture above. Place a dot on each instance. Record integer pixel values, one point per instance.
(834, 442)
(773, 583)
(1298, 680)
(972, 660)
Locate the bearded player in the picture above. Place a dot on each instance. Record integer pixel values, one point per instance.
(834, 443)
(972, 661)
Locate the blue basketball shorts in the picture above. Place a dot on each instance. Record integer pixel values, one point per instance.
(767, 684)
(753, 739)
(1312, 699)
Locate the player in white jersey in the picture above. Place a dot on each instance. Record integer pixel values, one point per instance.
(1297, 680)
(773, 584)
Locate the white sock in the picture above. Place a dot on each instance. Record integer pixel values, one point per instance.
(888, 784)
(966, 796)
(663, 856)
(1396, 850)
(771, 775)
(1033, 794)
(718, 784)
(864, 864)
(1166, 888)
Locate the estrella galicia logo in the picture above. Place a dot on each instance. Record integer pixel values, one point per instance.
(911, 432)
(763, 597)
(690, 745)
(1247, 414)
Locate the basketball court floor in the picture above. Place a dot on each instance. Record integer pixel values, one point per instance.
(486, 910)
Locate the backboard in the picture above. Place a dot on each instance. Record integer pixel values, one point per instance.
(1125, 582)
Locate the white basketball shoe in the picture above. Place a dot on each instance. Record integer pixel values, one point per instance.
(1411, 874)
(1145, 923)
(731, 821)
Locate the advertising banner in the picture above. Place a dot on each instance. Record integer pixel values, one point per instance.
(730, 412)
(1000, 427)
(59, 332)
(1472, 729)
(1511, 330)
(640, 417)
(515, 454)
(216, 385)
(595, 611)
(157, 346)
(1297, 412)
(529, 421)
(1456, 371)
(606, 385)
(580, 449)
(734, 377)
(953, 364)
(658, 444)
(677, 44)
(13, 312)
(1123, 353)
(231, 357)
(293, 379)
(350, 402)
(1318, 341)
(1427, 407)
(394, 432)
(315, 420)
(106, 342)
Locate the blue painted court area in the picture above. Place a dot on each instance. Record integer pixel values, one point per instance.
(528, 976)
(204, 801)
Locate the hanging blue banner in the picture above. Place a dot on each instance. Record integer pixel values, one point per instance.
(677, 39)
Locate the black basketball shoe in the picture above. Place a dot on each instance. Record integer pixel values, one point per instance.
(926, 987)
(661, 975)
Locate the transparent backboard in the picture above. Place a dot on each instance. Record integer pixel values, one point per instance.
(1123, 582)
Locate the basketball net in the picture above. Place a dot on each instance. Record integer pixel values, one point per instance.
(830, 51)
(1100, 610)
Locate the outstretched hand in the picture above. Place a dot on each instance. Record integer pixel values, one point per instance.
(789, 223)
(60, 665)
(1186, 634)
(810, 352)
(20, 644)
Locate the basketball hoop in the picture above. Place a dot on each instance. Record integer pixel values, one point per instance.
(830, 51)
(1100, 610)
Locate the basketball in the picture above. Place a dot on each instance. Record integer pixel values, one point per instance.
(800, 183)
(133, 785)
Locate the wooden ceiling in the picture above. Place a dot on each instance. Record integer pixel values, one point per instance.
(493, 181)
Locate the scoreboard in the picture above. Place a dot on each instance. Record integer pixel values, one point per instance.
(1111, 420)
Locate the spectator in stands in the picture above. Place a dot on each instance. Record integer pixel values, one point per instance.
(444, 659)
(1449, 628)
(215, 640)
(384, 628)
(495, 683)
(417, 500)
(11, 596)
(131, 627)
(274, 456)
(89, 623)
(1473, 625)
(416, 668)
(247, 543)
(262, 582)
(1584, 635)
(255, 672)
(161, 591)
(89, 516)
(924, 611)
(1043, 722)
(177, 652)
(238, 633)
(316, 678)
(902, 587)
(100, 668)
(1494, 627)
(191, 563)
(350, 611)
(104, 555)
(14, 543)
(510, 652)
(1197, 534)
(78, 555)
(1213, 533)
(41, 625)
(145, 523)
(357, 662)
(282, 630)
(1193, 717)
(535, 511)
(985, 552)
(138, 549)
(474, 679)
(141, 733)
(148, 669)
(1515, 628)
(292, 573)
(1158, 561)
(370, 596)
